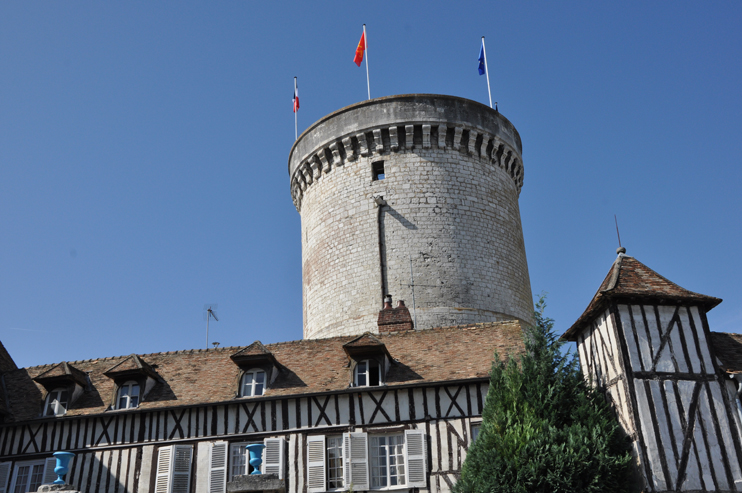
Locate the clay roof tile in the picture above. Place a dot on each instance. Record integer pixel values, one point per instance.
(632, 280)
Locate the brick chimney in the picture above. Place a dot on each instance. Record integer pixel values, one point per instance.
(394, 319)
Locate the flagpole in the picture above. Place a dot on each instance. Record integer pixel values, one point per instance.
(296, 128)
(365, 39)
(487, 70)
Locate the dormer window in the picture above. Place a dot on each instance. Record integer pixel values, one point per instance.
(369, 361)
(64, 385)
(128, 397)
(368, 373)
(56, 402)
(253, 383)
(258, 370)
(133, 378)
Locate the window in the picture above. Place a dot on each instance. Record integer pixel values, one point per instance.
(29, 475)
(223, 465)
(174, 469)
(238, 459)
(387, 461)
(128, 397)
(56, 403)
(381, 462)
(475, 431)
(367, 373)
(378, 170)
(334, 462)
(253, 383)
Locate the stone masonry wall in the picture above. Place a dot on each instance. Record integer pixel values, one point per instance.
(450, 211)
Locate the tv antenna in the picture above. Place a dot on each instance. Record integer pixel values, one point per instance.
(209, 312)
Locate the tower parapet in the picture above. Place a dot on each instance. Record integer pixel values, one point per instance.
(419, 188)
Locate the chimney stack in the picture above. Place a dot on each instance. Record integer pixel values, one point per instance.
(394, 319)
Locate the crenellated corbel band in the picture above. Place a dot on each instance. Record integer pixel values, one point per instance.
(378, 141)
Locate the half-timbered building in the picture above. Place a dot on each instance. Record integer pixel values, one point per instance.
(672, 382)
(394, 410)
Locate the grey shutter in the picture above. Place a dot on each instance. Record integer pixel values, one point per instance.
(4, 476)
(162, 482)
(49, 464)
(316, 464)
(218, 468)
(416, 454)
(181, 480)
(273, 456)
(355, 461)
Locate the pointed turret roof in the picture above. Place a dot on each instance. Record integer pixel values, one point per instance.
(632, 280)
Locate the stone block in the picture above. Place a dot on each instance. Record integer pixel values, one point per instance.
(253, 483)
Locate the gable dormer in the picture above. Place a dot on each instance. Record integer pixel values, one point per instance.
(369, 361)
(64, 384)
(133, 379)
(258, 369)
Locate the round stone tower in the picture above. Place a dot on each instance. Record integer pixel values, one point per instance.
(415, 196)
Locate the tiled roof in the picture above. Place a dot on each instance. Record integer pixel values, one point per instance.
(728, 348)
(630, 279)
(206, 376)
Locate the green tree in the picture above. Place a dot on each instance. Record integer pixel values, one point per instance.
(543, 428)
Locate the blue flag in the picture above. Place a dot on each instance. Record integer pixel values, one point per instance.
(481, 60)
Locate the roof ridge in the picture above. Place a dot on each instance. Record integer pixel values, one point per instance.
(277, 344)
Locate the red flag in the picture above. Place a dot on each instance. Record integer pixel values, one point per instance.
(361, 48)
(296, 98)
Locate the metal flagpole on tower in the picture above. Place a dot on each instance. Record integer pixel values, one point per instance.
(296, 128)
(487, 71)
(412, 285)
(365, 41)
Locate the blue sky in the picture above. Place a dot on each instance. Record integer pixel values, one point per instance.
(144, 147)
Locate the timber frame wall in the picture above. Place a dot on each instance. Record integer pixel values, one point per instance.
(658, 367)
(116, 451)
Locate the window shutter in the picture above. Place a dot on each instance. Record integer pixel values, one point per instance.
(218, 468)
(355, 461)
(162, 483)
(273, 456)
(416, 454)
(49, 464)
(4, 476)
(181, 468)
(316, 464)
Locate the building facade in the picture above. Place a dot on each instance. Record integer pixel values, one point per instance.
(415, 195)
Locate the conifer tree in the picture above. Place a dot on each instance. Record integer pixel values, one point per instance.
(544, 429)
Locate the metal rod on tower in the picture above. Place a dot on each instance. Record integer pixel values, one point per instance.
(296, 97)
(365, 41)
(412, 284)
(617, 233)
(486, 69)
